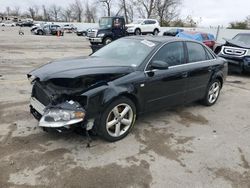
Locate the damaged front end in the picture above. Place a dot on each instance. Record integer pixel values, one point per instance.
(60, 103)
(67, 93)
(54, 110)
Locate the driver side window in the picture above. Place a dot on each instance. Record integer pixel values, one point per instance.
(172, 53)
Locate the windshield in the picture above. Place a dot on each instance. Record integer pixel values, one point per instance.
(130, 52)
(105, 23)
(137, 21)
(243, 38)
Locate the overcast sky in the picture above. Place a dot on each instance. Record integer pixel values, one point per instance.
(211, 12)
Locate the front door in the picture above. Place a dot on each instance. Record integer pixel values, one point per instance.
(166, 88)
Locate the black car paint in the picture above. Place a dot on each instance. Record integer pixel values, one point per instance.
(148, 89)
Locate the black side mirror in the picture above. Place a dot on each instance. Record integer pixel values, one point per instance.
(160, 65)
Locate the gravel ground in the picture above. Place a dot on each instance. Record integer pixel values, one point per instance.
(190, 146)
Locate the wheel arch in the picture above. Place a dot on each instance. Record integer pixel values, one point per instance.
(133, 98)
(157, 29)
(218, 76)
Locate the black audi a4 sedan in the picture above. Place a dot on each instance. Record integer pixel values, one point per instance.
(133, 75)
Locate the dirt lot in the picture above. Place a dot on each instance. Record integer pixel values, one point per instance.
(191, 146)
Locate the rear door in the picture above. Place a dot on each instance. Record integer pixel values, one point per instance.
(200, 67)
(166, 88)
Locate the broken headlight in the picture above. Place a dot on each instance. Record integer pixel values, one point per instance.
(55, 115)
(62, 115)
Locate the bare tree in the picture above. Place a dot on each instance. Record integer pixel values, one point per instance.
(123, 6)
(190, 22)
(77, 8)
(90, 12)
(8, 11)
(16, 11)
(33, 11)
(67, 14)
(55, 11)
(46, 16)
(248, 21)
(131, 10)
(146, 7)
(167, 10)
(107, 4)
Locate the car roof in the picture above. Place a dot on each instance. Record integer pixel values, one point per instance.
(159, 39)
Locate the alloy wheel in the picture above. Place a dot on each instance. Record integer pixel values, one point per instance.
(119, 120)
(214, 91)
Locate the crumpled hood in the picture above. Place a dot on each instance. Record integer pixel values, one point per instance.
(237, 43)
(73, 68)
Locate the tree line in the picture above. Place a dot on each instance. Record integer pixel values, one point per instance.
(245, 24)
(166, 11)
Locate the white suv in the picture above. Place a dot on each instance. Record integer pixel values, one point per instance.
(143, 26)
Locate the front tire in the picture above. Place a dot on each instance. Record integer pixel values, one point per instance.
(107, 40)
(137, 32)
(117, 120)
(212, 93)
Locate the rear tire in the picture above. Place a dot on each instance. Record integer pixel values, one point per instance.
(40, 33)
(117, 120)
(156, 32)
(212, 93)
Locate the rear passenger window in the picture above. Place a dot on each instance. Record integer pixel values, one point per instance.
(172, 53)
(196, 52)
(209, 55)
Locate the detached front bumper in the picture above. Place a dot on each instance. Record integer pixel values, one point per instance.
(62, 116)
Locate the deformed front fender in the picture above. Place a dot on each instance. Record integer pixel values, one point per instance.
(99, 98)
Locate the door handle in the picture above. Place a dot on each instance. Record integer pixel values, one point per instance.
(184, 74)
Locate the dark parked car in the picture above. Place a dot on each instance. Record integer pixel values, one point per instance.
(206, 38)
(172, 32)
(25, 24)
(81, 32)
(50, 29)
(237, 52)
(133, 75)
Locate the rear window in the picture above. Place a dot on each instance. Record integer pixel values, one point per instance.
(152, 22)
(243, 38)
